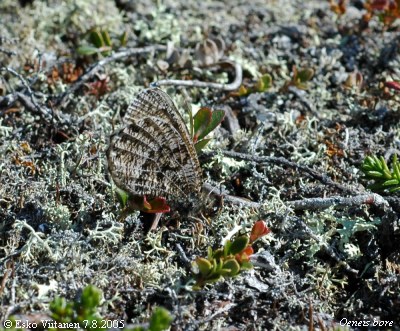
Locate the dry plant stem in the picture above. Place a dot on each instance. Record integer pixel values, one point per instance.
(195, 83)
(44, 112)
(282, 161)
(211, 190)
(29, 100)
(96, 67)
(307, 204)
(324, 245)
(337, 201)
(7, 52)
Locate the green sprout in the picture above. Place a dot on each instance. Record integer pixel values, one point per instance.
(228, 260)
(101, 42)
(83, 314)
(385, 179)
(202, 124)
(262, 84)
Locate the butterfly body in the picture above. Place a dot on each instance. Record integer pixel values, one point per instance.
(153, 154)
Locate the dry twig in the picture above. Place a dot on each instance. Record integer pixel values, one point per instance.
(29, 100)
(337, 201)
(195, 83)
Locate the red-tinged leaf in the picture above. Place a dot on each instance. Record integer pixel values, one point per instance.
(379, 5)
(259, 230)
(157, 205)
(216, 118)
(248, 250)
(393, 85)
(200, 122)
(244, 256)
(146, 205)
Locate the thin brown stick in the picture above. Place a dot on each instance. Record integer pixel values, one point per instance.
(211, 190)
(196, 83)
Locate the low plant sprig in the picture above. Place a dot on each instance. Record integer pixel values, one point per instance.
(261, 85)
(102, 43)
(300, 78)
(228, 260)
(66, 315)
(385, 179)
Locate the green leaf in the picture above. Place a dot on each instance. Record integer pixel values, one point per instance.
(214, 278)
(122, 196)
(106, 37)
(124, 38)
(390, 182)
(210, 253)
(204, 266)
(96, 38)
(378, 162)
(305, 75)
(394, 189)
(246, 265)
(396, 168)
(264, 83)
(201, 144)
(233, 266)
(385, 168)
(87, 50)
(243, 91)
(227, 248)
(218, 253)
(90, 297)
(217, 265)
(200, 122)
(160, 320)
(375, 174)
(216, 118)
(239, 244)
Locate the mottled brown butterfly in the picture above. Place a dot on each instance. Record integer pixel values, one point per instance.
(153, 154)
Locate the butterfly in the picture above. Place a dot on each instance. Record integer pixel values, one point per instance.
(153, 154)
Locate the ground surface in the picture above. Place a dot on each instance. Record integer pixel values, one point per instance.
(58, 210)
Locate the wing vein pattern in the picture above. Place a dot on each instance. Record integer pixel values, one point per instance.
(153, 154)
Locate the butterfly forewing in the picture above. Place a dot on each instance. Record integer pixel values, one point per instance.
(153, 153)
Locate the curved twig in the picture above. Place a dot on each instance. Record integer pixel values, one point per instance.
(195, 83)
